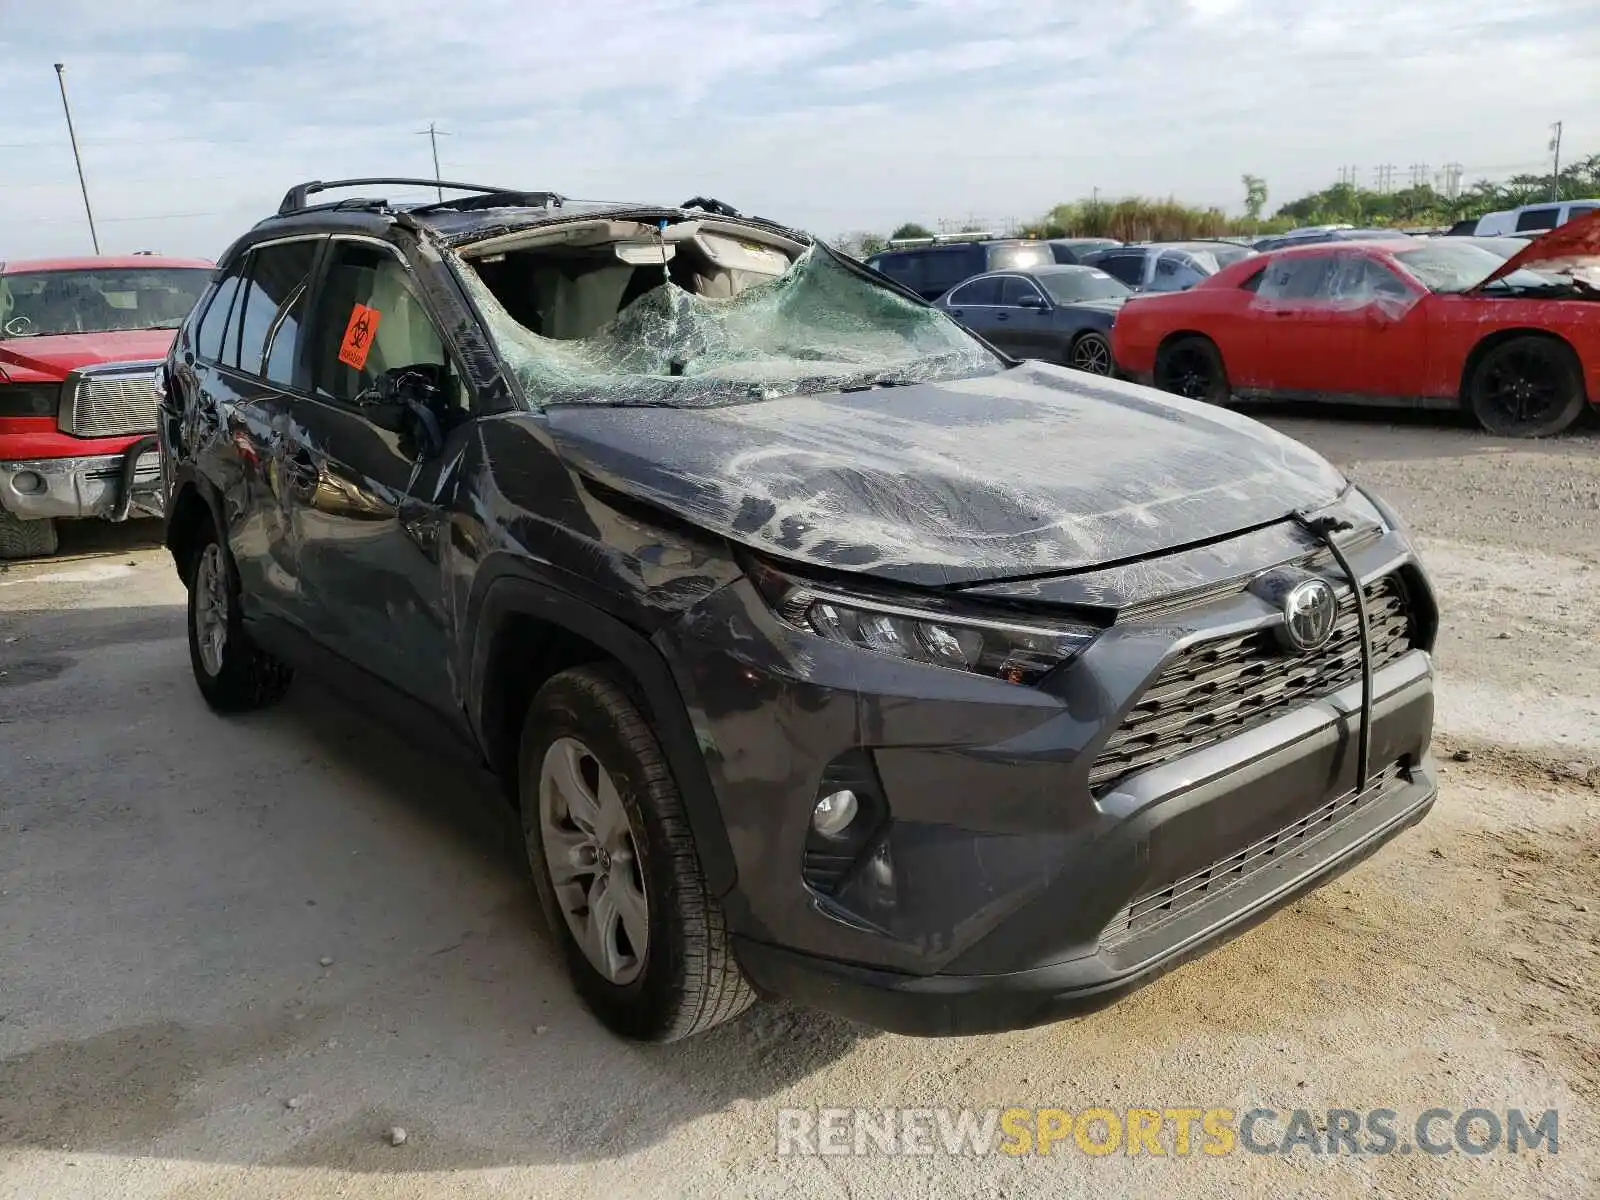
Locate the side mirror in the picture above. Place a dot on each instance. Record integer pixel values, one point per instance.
(1033, 300)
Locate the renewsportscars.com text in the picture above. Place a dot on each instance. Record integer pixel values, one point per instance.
(1175, 1132)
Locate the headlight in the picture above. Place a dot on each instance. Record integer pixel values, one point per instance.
(927, 629)
(29, 399)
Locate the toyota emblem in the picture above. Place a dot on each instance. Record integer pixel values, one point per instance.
(1310, 610)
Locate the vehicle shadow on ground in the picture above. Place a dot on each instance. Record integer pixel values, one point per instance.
(236, 853)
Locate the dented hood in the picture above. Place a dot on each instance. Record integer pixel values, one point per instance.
(58, 354)
(1567, 249)
(1030, 471)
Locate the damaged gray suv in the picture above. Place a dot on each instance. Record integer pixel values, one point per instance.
(826, 651)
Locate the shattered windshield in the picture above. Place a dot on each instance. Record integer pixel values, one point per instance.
(1445, 266)
(42, 303)
(816, 327)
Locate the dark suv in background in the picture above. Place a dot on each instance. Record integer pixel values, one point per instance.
(930, 267)
(824, 651)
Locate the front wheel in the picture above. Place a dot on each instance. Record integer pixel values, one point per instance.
(1091, 353)
(615, 865)
(1192, 367)
(234, 675)
(1527, 387)
(26, 539)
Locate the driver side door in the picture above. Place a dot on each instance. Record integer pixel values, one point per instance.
(374, 488)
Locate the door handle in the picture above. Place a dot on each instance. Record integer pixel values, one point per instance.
(1000, 316)
(955, 312)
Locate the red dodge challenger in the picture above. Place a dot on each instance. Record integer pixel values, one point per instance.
(1434, 323)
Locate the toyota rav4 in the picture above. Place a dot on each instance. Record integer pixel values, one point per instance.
(825, 651)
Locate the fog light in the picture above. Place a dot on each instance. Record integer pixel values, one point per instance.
(834, 812)
(28, 483)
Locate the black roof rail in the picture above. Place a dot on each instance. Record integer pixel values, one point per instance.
(294, 200)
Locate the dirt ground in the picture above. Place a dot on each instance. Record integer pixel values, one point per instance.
(233, 954)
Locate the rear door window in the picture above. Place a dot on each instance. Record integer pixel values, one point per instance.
(271, 301)
(903, 268)
(1537, 218)
(984, 292)
(949, 265)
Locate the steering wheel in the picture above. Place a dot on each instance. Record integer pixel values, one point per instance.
(18, 326)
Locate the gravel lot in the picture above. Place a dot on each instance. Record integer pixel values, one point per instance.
(234, 954)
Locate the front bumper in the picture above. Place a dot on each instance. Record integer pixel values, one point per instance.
(997, 884)
(109, 486)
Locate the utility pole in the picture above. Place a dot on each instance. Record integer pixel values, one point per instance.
(76, 157)
(434, 134)
(1452, 179)
(1419, 174)
(1555, 172)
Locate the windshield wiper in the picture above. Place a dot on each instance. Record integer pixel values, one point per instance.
(879, 381)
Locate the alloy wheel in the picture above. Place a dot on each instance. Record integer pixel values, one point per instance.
(1189, 375)
(1091, 354)
(593, 859)
(1524, 387)
(211, 608)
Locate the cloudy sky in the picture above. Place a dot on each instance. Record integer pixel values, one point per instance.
(830, 114)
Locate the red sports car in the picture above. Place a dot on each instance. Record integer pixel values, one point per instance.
(1434, 323)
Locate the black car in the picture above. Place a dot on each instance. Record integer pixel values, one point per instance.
(1166, 266)
(1077, 250)
(825, 652)
(1057, 314)
(931, 267)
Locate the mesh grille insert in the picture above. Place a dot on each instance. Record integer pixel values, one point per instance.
(1220, 688)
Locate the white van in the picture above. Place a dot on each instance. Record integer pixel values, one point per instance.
(1533, 218)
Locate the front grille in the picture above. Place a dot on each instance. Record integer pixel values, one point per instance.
(1157, 908)
(110, 405)
(1220, 688)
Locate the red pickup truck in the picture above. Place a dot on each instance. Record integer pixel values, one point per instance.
(82, 341)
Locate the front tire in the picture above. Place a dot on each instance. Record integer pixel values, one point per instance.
(1527, 387)
(1192, 367)
(26, 539)
(234, 675)
(615, 865)
(1091, 353)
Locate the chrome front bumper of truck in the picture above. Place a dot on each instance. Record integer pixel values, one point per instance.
(108, 486)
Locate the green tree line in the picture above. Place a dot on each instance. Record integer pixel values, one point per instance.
(1139, 218)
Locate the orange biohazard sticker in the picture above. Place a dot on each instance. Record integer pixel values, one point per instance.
(358, 335)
